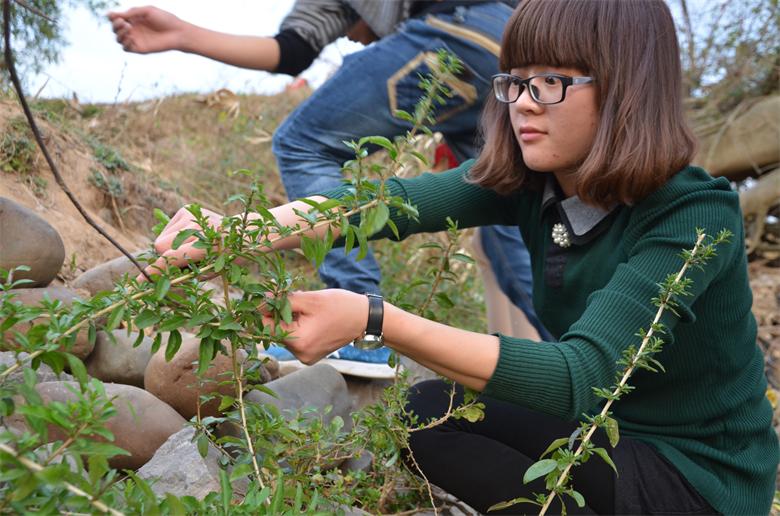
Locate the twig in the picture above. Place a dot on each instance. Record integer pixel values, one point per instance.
(9, 62)
(37, 468)
(629, 371)
(35, 11)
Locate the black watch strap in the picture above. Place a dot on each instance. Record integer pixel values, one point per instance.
(376, 315)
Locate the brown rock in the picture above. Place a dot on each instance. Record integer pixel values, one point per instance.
(141, 425)
(33, 296)
(117, 360)
(106, 275)
(27, 239)
(177, 383)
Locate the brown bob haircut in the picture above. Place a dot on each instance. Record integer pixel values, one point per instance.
(630, 48)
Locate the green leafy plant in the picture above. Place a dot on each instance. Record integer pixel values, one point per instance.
(288, 464)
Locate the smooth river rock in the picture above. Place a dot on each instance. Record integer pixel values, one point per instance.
(27, 239)
(140, 426)
(177, 383)
(117, 360)
(32, 297)
(318, 386)
(106, 275)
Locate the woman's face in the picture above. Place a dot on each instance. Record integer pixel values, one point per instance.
(556, 137)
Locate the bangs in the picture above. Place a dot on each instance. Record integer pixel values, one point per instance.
(553, 33)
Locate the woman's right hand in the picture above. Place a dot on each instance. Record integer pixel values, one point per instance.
(144, 30)
(186, 252)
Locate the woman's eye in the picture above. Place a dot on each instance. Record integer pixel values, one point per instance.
(551, 81)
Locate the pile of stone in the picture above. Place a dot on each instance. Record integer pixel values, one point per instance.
(154, 398)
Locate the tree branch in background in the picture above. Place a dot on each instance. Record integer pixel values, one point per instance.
(9, 63)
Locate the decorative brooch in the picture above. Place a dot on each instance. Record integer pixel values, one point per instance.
(560, 236)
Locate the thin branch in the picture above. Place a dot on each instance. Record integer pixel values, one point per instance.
(629, 371)
(37, 468)
(9, 62)
(35, 11)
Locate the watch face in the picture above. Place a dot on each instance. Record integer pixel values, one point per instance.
(369, 342)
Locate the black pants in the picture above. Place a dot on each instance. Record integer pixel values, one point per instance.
(483, 463)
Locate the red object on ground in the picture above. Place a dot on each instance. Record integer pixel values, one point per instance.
(298, 82)
(443, 152)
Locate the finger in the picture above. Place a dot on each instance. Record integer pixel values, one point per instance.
(173, 258)
(119, 23)
(122, 33)
(164, 242)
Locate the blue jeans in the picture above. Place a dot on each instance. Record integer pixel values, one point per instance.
(360, 99)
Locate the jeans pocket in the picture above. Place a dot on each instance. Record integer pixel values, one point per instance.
(404, 92)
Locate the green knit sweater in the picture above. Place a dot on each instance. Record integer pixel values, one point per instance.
(708, 413)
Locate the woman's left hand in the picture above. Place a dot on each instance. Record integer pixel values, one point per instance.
(323, 321)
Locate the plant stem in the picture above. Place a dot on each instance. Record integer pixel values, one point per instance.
(626, 375)
(238, 373)
(37, 468)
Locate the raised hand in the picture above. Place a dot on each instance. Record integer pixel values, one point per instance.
(144, 30)
(186, 252)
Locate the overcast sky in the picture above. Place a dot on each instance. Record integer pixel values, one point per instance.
(95, 67)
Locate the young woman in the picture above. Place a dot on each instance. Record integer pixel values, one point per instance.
(587, 151)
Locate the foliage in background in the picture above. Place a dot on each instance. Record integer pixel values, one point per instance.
(730, 51)
(37, 32)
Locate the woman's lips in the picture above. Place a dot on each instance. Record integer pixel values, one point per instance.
(530, 134)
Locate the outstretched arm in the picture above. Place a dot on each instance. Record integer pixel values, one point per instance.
(146, 30)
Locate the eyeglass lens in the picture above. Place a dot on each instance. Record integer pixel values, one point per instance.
(544, 89)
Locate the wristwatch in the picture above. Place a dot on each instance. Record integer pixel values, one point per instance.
(372, 338)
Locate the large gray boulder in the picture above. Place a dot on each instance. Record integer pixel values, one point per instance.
(177, 467)
(27, 239)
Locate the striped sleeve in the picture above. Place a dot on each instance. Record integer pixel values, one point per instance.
(319, 22)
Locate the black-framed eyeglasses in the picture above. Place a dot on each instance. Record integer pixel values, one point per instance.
(545, 88)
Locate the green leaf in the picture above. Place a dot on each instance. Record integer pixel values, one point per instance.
(611, 426)
(510, 503)
(115, 318)
(175, 506)
(174, 343)
(161, 288)
(146, 319)
(226, 490)
(555, 445)
(601, 452)
(286, 311)
(182, 236)
(219, 263)
(578, 498)
(205, 353)
(175, 322)
(444, 301)
(203, 445)
(230, 325)
(92, 334)
(539, 469)
(77, 368)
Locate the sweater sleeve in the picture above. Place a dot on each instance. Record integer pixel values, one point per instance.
(439, 196)
(319, 22)
(558, 378)
(295, 54)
